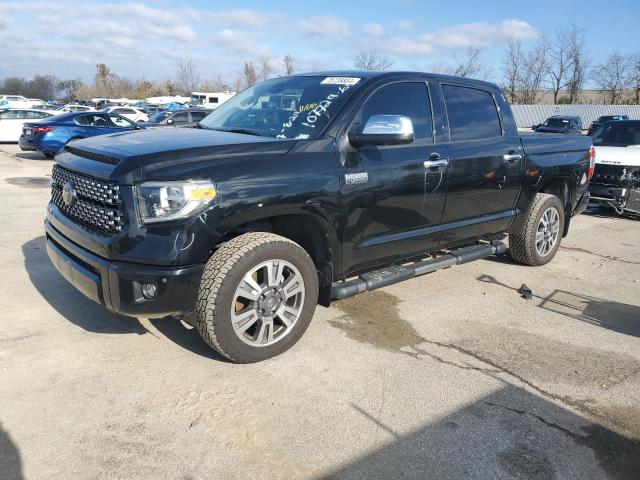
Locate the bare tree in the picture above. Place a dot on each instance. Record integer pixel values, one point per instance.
(289, 64)
(68, 88)
(535, 69)
(579, 65)
(371, 60)
(634, 77)
(612, 77)
(188, 78)
(101, 83)
(266, 69)
(469, 64)
(512, 69)
(249, 75)
(216, 85)
(560, 57)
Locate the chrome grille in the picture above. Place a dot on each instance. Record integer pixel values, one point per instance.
(98, 203)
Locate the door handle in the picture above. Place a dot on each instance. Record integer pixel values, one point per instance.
(512, 157)
(443, 162)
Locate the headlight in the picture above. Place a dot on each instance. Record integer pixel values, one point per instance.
(164, 201)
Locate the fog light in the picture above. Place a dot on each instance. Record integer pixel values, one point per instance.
(149, 290)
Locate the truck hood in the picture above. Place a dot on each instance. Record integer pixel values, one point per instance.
(624, 156)
(130, 156)
(149, 142)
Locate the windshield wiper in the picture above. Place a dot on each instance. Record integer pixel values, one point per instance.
(245, 131)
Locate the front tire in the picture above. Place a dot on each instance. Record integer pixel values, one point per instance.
(49, 155)
(257, 296)
(539, 238)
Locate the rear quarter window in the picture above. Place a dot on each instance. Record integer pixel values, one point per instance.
(472, 113)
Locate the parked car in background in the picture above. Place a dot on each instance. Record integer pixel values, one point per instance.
(604, 119)
(133, 114)
(49, 136)
(72, 107)
(48, 107)
(150, 109)
(560, 124)
(12, 120)
(179, 118)
(616, 180)
(15, 101)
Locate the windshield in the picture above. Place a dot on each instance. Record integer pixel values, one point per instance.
(158, 117)
(556, 122)
(617, 134)
(291, 107)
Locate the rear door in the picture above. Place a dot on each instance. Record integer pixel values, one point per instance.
(180, 119)
(392, 203)
(486, 164)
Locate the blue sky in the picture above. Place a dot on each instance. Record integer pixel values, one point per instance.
(68, 38)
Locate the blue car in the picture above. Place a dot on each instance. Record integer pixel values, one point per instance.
(50, 135)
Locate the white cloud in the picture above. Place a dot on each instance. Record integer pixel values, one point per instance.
(403, 25)
(328, 26)
(406, 47)
(458, 37)
(239, 42)
(372, 29)
(479, 34)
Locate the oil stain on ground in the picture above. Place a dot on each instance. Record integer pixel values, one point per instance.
(374, 319)
(30, 182)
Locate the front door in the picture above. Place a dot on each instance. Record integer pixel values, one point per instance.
(390, 198)
(486, 167)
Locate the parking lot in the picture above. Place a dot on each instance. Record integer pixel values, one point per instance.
(450, 375)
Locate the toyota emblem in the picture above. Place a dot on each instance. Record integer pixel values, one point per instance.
(69, 195)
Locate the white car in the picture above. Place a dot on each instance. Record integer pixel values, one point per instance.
(72, 107)
(133, 114)
(15, 101)
(616, 180)
(12, 119)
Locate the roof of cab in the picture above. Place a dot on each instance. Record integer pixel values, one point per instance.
(368, 74)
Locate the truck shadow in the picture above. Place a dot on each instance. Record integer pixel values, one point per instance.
(32, 156)
(69, 302)
(186, 336)
(615, 316)
(10, 462)
(510, 433)
(90, 316)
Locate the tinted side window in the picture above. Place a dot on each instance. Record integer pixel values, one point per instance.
(182, 117)
(472, 113)
(408, 99)
(197, 116)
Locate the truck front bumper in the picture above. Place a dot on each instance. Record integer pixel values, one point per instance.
(119, 285)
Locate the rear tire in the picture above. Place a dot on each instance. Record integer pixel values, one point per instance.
(539, 238)
(257, 295)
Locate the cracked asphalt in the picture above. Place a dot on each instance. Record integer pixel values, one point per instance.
(451, 375)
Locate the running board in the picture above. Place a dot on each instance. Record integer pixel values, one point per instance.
(394, 274)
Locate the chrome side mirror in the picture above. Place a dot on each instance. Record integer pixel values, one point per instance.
(384, 130)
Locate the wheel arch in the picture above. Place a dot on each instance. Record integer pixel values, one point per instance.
(310, 231)
(562, 187)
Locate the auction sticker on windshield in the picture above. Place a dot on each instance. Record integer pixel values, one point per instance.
(340, 81)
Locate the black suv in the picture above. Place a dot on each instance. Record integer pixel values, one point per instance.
(560, 124)
(604, 119)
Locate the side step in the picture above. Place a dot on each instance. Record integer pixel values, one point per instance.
(394, 274)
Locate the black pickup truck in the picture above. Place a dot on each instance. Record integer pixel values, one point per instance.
(306, 189)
